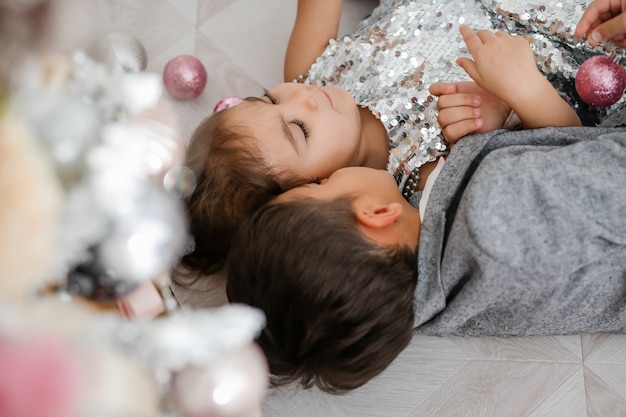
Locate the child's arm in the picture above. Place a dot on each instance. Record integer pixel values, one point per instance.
(505, 66)
(466, 108)
(317, 22)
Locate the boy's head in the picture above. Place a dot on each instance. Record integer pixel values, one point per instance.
(246, 155)
(338, 301)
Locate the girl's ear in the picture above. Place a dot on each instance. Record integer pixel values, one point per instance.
(379, 216)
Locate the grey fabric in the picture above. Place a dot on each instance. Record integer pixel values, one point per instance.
(525, 234)
(617, 119)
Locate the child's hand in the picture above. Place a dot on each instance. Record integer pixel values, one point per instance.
(466, 108)
(604, 20)
(503, 64)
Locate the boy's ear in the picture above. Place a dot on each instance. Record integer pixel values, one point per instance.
(378, 216)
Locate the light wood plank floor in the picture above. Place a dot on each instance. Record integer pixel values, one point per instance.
(242, 44)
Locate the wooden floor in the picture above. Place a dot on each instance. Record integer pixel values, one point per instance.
(242, 44)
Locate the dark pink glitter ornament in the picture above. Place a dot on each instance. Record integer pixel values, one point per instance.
(184, 77)
(600, 81)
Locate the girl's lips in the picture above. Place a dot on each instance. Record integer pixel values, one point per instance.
(328, 97)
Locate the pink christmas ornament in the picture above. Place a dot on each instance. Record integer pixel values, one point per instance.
(38, 378)
(600, 81)
(184, 77)
(227, 103)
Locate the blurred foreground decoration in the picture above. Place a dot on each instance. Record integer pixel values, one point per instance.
(120, 50)
(91, 177)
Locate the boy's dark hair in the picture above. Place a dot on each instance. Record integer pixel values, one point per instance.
(339, 307)
(232, 181)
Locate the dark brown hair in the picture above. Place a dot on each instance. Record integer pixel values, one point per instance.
(339, 308)
(232, 181)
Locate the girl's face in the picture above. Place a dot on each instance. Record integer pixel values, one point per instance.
(310, 131)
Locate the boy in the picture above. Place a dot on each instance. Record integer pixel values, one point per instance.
(524, 234)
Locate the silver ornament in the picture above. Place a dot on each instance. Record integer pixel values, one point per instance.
(232, 386)
(66, 126)
(121, 51)
(147, 236)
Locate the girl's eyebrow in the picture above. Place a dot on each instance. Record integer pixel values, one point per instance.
(256, 99)
(266, 95)
(286, 129)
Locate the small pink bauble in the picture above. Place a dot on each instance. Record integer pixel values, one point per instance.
(184, 77)
(227, 103)
(38, 378)
(600, 81)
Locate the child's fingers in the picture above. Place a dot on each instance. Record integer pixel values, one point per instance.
(485, 35)
(609, 29)
(471, 39)
(591, 16)
(441, 88)
(457, 130)
(450, 116)
(458, 100)
(469, 67)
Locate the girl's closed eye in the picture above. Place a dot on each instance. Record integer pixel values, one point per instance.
(305, 129)
(303, 126)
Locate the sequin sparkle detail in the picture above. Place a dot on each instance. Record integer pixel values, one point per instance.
(396, 53)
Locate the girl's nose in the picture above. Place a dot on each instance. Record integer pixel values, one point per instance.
(305, 97)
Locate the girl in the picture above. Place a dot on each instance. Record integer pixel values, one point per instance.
(365, 102)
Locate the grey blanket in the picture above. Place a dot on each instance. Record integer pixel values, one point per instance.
(525, 234)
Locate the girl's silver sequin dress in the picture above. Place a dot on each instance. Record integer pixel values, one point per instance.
(388, 62)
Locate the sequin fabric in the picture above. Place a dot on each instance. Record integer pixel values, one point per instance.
(396, 53)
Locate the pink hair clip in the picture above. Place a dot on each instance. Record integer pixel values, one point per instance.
(143, 302)
(227, 103)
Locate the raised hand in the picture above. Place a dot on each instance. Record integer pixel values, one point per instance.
(502, 64)
(505, 66)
